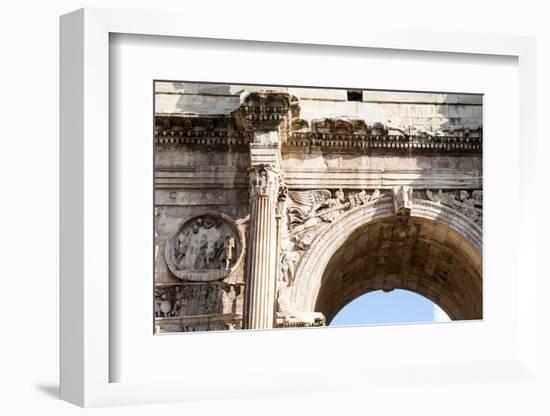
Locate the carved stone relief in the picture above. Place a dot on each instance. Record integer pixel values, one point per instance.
(307, 212)
(402, 200)
(204, 248)
(468, 203)
(300, 319)
(167, 327)
(223, 158)
(196, 299)
(312, 209)
(288, 265)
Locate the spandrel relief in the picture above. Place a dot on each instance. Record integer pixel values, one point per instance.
(468, 203)
(309, 210)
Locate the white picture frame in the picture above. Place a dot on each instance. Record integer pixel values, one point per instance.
(86, 353)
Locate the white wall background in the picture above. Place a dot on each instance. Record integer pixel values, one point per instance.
(29, 211)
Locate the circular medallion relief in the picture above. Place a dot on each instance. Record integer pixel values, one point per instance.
(205, 248)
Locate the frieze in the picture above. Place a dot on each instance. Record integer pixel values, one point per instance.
(205, 248)
(196, 299)
(220, 322)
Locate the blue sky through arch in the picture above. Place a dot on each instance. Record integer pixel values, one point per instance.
(397, 306)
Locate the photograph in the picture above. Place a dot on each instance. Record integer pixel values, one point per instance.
(279, 209)
(298, 206)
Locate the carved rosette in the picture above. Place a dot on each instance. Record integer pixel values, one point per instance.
(205, 248)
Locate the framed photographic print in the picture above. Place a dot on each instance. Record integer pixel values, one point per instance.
(234, 199)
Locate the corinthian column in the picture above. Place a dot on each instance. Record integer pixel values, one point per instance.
(262, 251)
(264, 116)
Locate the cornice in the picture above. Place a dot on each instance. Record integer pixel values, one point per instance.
(270, 111)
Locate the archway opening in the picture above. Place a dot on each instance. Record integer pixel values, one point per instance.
(397, 306)
(415, 254)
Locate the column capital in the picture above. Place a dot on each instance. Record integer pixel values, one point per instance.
(264, 180)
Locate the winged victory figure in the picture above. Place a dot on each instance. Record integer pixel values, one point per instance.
(314, 206)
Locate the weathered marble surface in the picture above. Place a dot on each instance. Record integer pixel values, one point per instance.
(380, 193)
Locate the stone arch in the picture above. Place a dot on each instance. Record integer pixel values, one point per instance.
(436, 252)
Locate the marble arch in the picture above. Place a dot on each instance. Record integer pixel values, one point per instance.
(325, 198)
(435, 252)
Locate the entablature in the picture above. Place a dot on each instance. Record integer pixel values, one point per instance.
(280, 112)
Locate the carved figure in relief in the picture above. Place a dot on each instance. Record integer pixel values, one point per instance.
(211, 299)
(178, 301)
(313, 208)
(288, 266)
(163, 306)
(201, 261)
(432, 196)
(283, 299)
(363, 198)
(284, 270)
(304, 240)
(334, 206)
(470, 206)
(229, 298)
(211, 254)
(228, 251)
(196, 225)
(180, 249)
